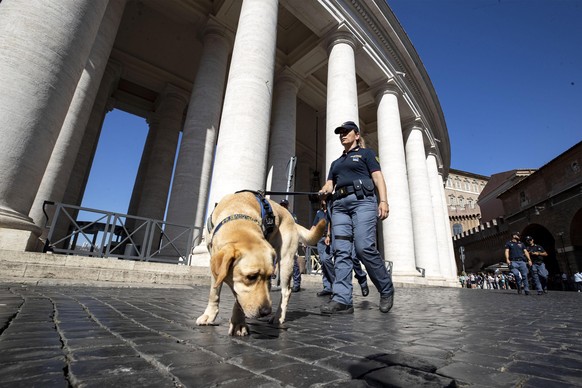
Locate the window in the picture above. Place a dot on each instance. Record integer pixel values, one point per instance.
(457, 229)
(461, 202)
(523, 200)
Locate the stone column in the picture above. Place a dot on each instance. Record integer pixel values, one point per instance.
(425, 246)
(436, 186)
(43, 49)
(283, 132)
(82, 165)
(158, 159)
(342, 93)
(243, 140)
(58, 171)
(194, 165)
(397, 230)
(448, 234)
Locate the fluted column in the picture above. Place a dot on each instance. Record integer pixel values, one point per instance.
(194, 165)
(342, 93)
(82, 165)
(436, 186)
(165, 128)
(398, 235)
(425, 246)
(58, 171)
(283, 132)
(244, 125)
(43, 49)
(448, 234)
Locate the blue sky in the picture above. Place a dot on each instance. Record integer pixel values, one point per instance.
(508, 74)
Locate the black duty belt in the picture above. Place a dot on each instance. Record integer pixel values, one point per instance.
(343, 191)
(516, 259)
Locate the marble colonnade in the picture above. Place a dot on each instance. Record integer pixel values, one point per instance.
(255, 100)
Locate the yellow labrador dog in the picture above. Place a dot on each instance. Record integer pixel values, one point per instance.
(243, 257)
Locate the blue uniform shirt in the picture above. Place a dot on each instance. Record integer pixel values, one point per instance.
(320, 215)
(516, 250)
(535, 258)
(357, 163)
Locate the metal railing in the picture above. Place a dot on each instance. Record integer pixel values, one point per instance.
(110, 234)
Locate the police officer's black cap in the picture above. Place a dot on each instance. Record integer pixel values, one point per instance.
(516, 234)
(349, 125)
(284, 202)
(528, 238)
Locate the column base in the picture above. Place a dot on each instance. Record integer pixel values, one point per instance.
(18, 240)
(200, 256)
(17, 232)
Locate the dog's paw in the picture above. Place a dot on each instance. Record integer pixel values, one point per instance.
(204, 320)
(238, 330)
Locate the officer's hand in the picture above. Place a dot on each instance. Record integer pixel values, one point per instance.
(383, 210)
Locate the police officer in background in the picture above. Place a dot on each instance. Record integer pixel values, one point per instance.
(353, 179)
(296, 271)
(326, 257)
(516, 256)
(538, 269)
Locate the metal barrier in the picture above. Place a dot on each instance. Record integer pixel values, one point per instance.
(312, 263)
(109, 234)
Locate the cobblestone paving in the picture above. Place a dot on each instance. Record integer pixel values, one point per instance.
(60, 336)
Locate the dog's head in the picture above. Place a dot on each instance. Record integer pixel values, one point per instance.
(247, 268)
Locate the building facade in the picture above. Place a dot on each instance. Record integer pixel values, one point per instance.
(248, 83)
(545, 204)
(462, 190)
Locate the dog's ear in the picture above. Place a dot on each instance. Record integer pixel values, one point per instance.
(221, 263)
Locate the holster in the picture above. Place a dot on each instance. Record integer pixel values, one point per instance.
(363, 188)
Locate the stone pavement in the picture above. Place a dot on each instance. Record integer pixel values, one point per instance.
(85, 336)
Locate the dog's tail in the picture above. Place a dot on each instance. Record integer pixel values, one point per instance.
(311, 236)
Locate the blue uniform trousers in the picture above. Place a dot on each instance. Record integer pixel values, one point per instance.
(326, 260)
(540, 276)
(296, 273)
(328, 271)
(354, 227)
(519, 270)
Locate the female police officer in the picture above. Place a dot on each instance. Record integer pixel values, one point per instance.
(354, 212)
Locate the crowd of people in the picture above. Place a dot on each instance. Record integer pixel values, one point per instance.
(526, 266)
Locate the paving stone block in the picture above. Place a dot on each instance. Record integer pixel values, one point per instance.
(351, 365)
(572, 376)
(195, 376)
(31, 369)
(474, 374)
(302, 375)
(90, 369)
(309, 353)
(56, 380)
(397, 376)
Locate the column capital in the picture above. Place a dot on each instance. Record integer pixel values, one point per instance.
(288, 75)
(172, 96)
(385, 87)
(411, 125)
(214, 28)
(343, 34)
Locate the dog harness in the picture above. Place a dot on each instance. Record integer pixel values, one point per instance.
(267, 223)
